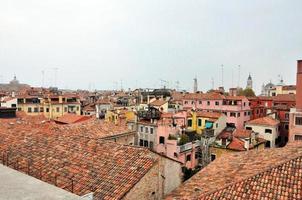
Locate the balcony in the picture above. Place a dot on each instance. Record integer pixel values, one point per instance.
(188, 146)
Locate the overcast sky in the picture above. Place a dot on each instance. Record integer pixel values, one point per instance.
(101, 43)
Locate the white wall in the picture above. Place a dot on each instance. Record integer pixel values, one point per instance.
(267, 136)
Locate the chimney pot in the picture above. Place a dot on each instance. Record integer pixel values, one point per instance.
(299, 86)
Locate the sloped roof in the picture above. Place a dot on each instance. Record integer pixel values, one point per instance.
(285, 97)
(263, 174)
(264, 121)
(158, 102)
(76, 161)
(212, 115)
(242, 133)
(236, 144)
(71, 118)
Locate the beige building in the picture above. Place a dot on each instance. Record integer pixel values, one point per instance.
(51, 107)
(57, 106)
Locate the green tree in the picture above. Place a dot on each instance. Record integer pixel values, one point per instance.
(248, 92)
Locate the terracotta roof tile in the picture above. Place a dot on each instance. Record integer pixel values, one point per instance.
(72, 159)
(71, 119)
(284, 97)
(265, 121)
(242, 133)
(263, 174)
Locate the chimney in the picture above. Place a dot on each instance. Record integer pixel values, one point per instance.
(299, 86)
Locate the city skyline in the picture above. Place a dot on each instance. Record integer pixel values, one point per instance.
(100, 44)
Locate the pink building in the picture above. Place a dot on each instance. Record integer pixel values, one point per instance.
(236, 108)
(295, 116)
(169, 133)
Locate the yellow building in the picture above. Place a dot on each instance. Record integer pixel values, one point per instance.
(198, 121)
(31, 105)
(59, 105)
(116, 116)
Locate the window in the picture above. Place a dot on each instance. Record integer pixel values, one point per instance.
(141, 143)
(200, 102)
(186, 102)
(286, 127)
(78, 108)
(47, 109)
(223, 142)
(268, 144)
(286, 115)
(208, 103)
(216, 125)
(298, 137)
(42, 109)
(19, 109)
(192, 102)
(65, 109)
(233, 114)
(217, 103)
(146, 143)
(268, 131)
(151, 130)
(58, 109)
(248, 128)
(142, 129)
(199, 122)
(14, 105)
(238, 114)
(298, 121)
(151, 145)
(146, 130)
(188, 158)
(244, 104)
(213, 157)
(161, 140)
(36, 110)
(29, 110)
(189, 122)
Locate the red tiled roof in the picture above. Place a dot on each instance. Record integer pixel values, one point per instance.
(236, 98)
(284, 97)
(158, 103)
(6, 99)
(71, 119)
(103, 101)
(265, 121)
(289, 87)
(236, 144)
(213, 115)
(242, 133)
(73, 160)
(166, 115)
(264, 174)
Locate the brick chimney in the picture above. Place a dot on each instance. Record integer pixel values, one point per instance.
(299, 86)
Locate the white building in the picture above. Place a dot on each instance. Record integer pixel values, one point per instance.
(9, 102)
(268, 129)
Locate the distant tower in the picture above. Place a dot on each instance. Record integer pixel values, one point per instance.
(195, 88)
(249, 84)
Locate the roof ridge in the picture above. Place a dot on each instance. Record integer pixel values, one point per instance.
(267, 169)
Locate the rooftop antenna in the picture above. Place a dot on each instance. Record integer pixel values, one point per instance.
(232, 77)
(43, 73)
(177, 85)
(212, 81)
(56, 74)
(239, 68)
(222, 75)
